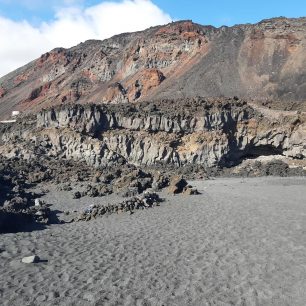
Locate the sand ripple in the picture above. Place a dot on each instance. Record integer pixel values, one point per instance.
(242, 242)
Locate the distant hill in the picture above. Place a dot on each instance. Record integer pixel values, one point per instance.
(182, 59)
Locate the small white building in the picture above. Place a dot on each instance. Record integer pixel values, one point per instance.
(15, 113)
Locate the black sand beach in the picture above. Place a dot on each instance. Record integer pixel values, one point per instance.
(241, 242)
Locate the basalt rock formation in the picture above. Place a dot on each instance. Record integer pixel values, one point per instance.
(178, 60)
(198, 131)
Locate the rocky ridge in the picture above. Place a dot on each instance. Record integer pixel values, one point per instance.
(198, 131)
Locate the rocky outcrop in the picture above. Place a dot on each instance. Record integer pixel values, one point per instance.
(145, 201)
(178, 60)
(2, 92)
(18, 209)
(208, 132)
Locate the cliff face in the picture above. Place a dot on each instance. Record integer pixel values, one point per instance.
(178, 60)
(219, 132)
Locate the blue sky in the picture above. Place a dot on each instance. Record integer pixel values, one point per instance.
(29, 28)
(230, 12)
(217, 13)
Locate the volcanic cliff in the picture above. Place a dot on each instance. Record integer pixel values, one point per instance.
(198, 131)
(178, 60)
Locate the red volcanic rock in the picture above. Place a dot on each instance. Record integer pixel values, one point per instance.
(2, 92)
(181, 59)
(20, 78)
(115, 93)
(39, 92)
(143, 82)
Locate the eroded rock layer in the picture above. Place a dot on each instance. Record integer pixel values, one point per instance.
(197, 131)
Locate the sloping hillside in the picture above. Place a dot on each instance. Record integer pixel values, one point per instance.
(178, 60)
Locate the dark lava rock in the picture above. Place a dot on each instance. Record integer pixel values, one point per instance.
(132, 183)
(177, 185)
(189, 190)
(275, 168)
(77, 195)
(160, 181)
(147, 200)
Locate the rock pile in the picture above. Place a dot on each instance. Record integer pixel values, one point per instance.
(93, 191)
(133, 183)
(255, 168)
(40, 214)
(13, 220)
(128, 181)
(147, 200)
(19, 208)
(42, 169)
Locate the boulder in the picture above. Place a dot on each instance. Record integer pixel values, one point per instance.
(77, 195)
(30, 259)
(132, 183)
(39, 202)
(189, 190)
(160, 181)
(177, 185)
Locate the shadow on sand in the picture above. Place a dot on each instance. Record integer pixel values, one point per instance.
(11, 222)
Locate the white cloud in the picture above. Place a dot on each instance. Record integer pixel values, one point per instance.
(36, 5)
(21, 42)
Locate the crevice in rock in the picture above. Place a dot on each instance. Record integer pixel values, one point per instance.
(236, 157)
(262, 150)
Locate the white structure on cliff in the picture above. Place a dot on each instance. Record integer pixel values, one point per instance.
(15, 114)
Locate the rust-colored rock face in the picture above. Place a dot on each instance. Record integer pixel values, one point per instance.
(2, 92)
(143, 83)
(181, 59)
